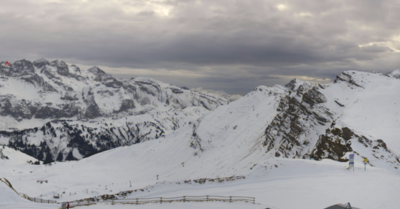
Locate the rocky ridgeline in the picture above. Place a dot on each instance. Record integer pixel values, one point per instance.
(299, 116)
(306, 128)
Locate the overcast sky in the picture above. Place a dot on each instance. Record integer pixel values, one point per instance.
(226, 45)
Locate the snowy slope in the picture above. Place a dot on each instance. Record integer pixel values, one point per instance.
(7, 195)
(289, 143)
(9, 199)
(14, 157)
(272, 182)
(372, 107)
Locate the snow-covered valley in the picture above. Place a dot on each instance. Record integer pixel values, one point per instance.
(287, 146)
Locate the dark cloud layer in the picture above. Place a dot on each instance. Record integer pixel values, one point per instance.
(222, 45)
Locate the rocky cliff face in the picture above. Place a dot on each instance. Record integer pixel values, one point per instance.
(309, 122)
(299, 115)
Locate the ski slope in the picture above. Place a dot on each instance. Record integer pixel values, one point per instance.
(276, 183)
(229, 142)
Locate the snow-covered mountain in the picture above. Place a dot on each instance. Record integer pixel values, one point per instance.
(358, 112)
(43, 90)
(289, 142)
(53, 111)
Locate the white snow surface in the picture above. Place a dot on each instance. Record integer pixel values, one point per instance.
(227, 142)
(306, 183)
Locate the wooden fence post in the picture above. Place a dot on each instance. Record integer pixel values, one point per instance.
(137, 201)
(184, 200)
(230, 198)
(207, 198)
(254, 200)
(160, 200)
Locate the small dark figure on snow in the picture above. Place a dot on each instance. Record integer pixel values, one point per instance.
(67, 205)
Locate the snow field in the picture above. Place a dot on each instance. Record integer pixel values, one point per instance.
(231, 138)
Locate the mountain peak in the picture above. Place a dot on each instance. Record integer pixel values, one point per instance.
(23, 61)
(41, 60)
(96, 70)
(295, 83)
(39, 63)
(22, 66)
(58, 63)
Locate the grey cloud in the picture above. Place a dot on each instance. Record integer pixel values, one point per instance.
(246, 43)
(376, 49)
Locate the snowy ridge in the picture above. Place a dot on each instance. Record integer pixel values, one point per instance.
(356, 113)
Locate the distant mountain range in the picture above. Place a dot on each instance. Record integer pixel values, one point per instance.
(57, 112)
(53, 111)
